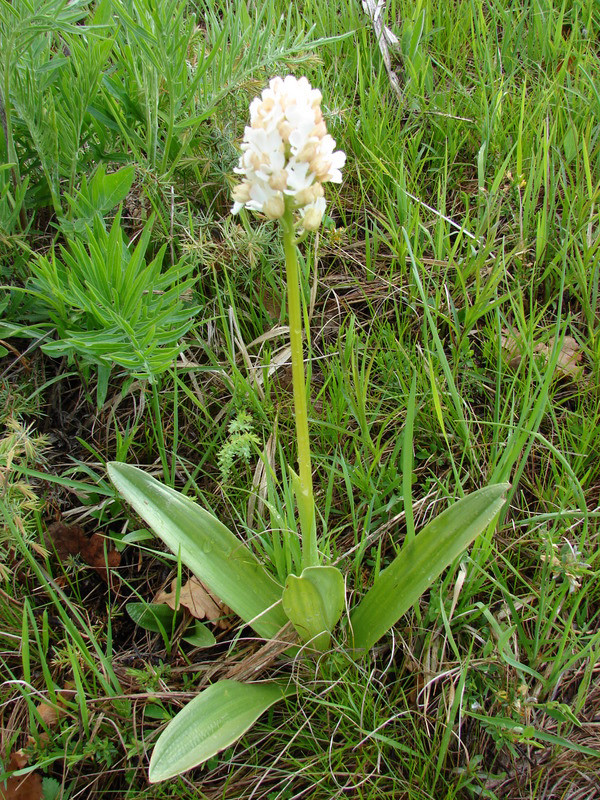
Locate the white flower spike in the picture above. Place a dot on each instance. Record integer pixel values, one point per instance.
(287, 153)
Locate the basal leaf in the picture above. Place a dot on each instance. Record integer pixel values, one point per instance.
(200, 636)
(211, 551)
(420, 562)
(314, 602)
(212, 721)
(155, 617)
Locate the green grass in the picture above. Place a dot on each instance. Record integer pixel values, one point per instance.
(468, 213)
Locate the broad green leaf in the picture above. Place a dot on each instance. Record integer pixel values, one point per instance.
(314, 603)
(97, 198)
(155, 617)
(212, 721)
(200, 636)
(50, 789)
(133, 537)
(420, 562)
(211, 551)
(107, 191)
(156, 711)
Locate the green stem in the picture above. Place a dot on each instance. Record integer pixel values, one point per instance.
(6, 119)
(303, 486)
(160, 437)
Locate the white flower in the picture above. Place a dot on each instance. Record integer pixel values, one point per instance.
(287, 152)
(312, 214)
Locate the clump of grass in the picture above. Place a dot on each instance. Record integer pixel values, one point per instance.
(20, 447)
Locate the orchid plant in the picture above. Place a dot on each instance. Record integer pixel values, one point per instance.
(287, 156)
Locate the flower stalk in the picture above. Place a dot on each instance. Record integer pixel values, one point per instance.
(304, 486)
(287, 156)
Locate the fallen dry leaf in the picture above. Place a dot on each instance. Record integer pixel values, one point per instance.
(198, 600)
(48, 714)
(512, 346)
(70, 540)
(569, 360)
(21, 787)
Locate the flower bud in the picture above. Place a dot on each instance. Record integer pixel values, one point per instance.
(274, 207)
(308, 152)
(285, 129)
(241, 192)
(320, 167)
(278, 180)
(311, 221)
(306, 196)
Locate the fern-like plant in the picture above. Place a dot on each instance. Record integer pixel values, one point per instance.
(239, 444)
(109, 306)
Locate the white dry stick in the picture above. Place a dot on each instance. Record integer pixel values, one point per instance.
(385, 38)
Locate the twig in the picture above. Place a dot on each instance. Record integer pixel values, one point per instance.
(385, 37)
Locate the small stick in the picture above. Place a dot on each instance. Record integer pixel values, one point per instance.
(385, 37)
